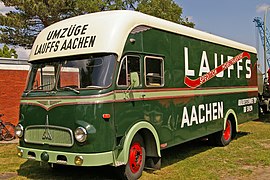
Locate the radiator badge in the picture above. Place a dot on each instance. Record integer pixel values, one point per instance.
(47, 135)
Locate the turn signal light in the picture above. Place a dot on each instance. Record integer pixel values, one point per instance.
(78, 160)
(106, 116)
(19, 152)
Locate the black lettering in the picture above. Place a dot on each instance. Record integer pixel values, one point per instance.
(77, 30)
(56, 34)
(48, 46)
(74, 46)
(69, 44)
(64, 45)
(63, 33)
(52, 46)
(49, 36)
(80, 44)
(40, 49)
(43, 48)
(84, 29)
(70, 30)
(86, 41)
(92, 41)
(36, 52)
(56, 46)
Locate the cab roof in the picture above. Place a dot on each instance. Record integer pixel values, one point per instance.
(107, 31)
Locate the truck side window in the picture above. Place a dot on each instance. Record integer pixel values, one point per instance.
(129, 64)
(154, 75)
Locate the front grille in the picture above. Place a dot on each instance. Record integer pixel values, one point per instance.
(51, 135)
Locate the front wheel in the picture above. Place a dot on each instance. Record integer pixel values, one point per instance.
(134, 168)
(8, 131)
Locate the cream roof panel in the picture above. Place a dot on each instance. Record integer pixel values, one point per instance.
(107, 32)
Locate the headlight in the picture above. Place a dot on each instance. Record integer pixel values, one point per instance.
(80, 134)
(19, 130)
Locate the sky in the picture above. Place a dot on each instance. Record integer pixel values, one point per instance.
(232, 19)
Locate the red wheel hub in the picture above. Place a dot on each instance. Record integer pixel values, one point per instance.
(227, 131)
(135, 157)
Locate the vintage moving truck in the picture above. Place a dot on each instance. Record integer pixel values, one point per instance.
(117, 87)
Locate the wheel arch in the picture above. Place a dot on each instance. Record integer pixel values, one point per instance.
(150, 137)
(230, 114)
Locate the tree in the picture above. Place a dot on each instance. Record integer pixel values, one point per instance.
(21, 26)
(8, 53)
(165, 9)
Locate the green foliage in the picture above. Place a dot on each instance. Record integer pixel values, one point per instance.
(165, 9)
(21, 26)
(8, 53)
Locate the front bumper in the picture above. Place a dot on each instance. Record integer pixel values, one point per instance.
(66, 158)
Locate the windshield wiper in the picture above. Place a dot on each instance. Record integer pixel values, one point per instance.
(41, 86)
(71, 89)
(44, 85)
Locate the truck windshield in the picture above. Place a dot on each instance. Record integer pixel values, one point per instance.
(72, 74)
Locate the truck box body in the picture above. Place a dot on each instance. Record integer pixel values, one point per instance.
(134, 74)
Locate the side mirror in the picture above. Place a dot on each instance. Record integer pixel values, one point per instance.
(134, 79)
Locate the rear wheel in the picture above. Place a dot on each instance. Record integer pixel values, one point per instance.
(224, 137)
(8, 132)
(134, 168)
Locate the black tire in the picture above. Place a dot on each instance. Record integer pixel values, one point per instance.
(8, 132)
(57, 167)
(264, 109)
(224, 137)
(134, 168)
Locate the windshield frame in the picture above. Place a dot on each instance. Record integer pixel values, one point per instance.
(58, 64)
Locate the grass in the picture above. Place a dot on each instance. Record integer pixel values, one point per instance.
(196, 160)
(193, 160)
